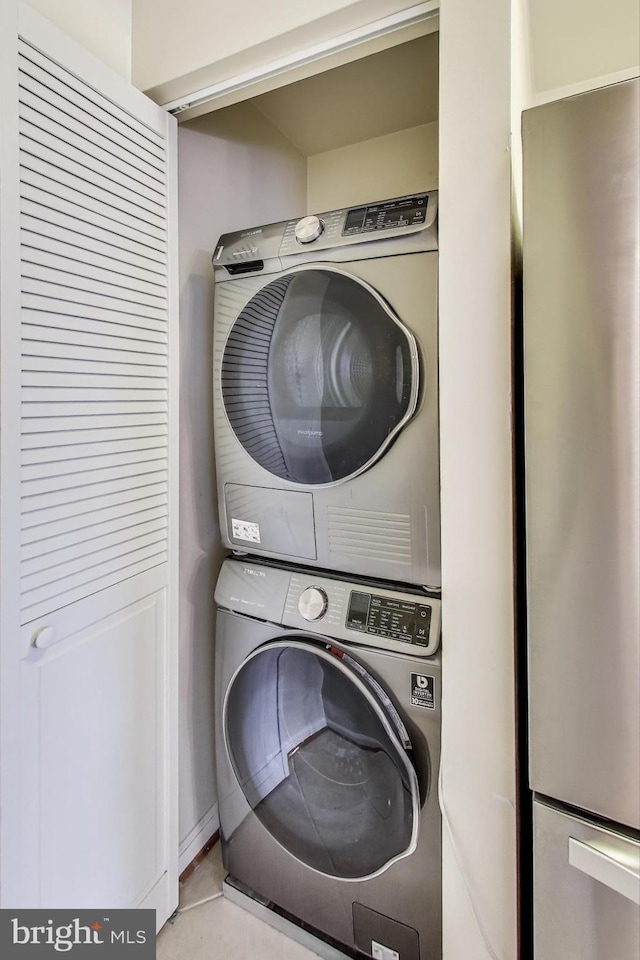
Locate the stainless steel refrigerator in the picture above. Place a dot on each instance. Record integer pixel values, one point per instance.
(582, 475)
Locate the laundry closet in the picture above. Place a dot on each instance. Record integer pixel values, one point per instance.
(358, 133)
(364, 131)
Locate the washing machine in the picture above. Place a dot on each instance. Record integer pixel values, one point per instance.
(326, 390)
(328, 747)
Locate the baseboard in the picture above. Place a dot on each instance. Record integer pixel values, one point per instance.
(198, 837)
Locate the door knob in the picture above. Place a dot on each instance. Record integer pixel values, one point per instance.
(44, 637)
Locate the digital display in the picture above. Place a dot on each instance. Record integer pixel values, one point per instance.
(354, 221)
(358, 614)
(386, 216)
(389, 617)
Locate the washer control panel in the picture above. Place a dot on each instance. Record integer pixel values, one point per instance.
(400, 621)
(397, 619)
(345, 610)
(313, 603)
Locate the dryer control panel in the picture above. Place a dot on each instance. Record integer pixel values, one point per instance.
(354, 224)
(336, 235)
(388, 215)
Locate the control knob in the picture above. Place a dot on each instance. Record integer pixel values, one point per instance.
(313, 603)
(308, 229)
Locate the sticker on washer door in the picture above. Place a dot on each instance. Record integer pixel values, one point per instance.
(245, 530)
(380, 952)
(423, 691)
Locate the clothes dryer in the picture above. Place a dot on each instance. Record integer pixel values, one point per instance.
(328, 748)
(326, 390)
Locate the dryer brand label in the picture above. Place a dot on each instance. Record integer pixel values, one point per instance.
(423, 691)
(245, 530)
(380, 952)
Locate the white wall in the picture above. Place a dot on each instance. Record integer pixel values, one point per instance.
(389, 166)
(102, 26)
(478, 736)
(522, 96)
(573, 41)
(236, 170)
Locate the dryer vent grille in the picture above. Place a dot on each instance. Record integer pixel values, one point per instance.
(369, 533)
(244, 377)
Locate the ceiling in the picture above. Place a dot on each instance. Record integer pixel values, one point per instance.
(371, 97)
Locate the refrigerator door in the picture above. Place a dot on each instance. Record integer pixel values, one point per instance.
(582, 350)
(586, 890)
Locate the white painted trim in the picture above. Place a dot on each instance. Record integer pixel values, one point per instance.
(320, 51)
(476, 470)
(10, 800)
(173, 613)
(198, 837)
(584, 86)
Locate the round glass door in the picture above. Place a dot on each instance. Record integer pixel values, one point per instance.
(322, 760)
(318, 376)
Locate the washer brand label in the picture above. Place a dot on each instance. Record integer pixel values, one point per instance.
(423, 691)
(81, 933)
(245, 530)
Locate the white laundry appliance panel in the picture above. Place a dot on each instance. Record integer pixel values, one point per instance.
(326, 392)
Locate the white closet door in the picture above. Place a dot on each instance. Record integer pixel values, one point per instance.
(88, 477)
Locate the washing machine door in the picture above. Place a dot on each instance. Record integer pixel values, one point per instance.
(323, 758)
(318, 376)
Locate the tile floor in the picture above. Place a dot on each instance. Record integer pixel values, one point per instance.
(209, 927)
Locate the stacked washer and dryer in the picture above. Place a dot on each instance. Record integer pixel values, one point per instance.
(328, 622)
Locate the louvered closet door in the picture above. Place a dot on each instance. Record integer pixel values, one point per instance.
(94, 340)
(88, 477)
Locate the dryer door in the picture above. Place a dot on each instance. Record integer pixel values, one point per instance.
(318, 376)
(322, 758)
